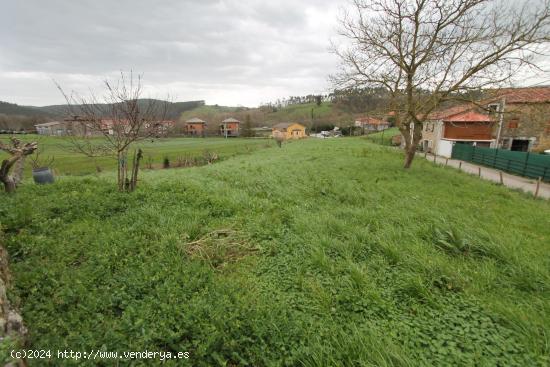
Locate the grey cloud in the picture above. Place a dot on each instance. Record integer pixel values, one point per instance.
(255, 45)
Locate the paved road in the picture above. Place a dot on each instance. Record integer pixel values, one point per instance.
(516, 182)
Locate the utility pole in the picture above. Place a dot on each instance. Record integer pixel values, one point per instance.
(313, 121)
(500, 120)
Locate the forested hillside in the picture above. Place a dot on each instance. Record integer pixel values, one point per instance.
(16, 117)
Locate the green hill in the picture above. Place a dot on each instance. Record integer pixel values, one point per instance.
(7, 108)
(325, 114)
(175, 109)
(211, 112)
(322, 253)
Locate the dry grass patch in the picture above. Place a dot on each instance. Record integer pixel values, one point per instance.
(220, 248)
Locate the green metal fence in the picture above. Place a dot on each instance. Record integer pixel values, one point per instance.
(532, 165)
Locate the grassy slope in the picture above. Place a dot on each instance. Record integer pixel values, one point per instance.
(66, 162)
(357, 262)
(301, 112)
(208, 110)
(326, 113)
(383, 137)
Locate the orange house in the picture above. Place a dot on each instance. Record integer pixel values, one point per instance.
(195, 127)
(230, 127)
(289, 130)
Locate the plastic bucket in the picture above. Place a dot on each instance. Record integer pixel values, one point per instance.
(42, 175)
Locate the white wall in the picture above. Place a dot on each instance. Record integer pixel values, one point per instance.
(444, 148)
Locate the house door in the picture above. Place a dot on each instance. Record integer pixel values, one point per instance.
(520, 145)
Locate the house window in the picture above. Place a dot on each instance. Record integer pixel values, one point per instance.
(493, 108)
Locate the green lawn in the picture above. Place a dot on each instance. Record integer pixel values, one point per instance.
(383, 137)
(322, 253)
(67, 162)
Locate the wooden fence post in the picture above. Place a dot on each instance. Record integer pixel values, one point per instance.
(460, 165)
(501, 180)
(537, 189)
(479, 171)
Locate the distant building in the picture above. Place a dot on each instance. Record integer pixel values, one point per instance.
(84, 126)
(195, 127)
(161, 128)
(515, 119)
(523, 116)
(371, 124)
(290, 130)
(81, 126)
(230, 127)
(457, 126)
(56, 128)
(72, 125)
(262, 131)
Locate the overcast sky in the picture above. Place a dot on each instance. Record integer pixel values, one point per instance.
(225, 52)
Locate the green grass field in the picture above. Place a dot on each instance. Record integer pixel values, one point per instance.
(383, 137)
(67, 162)
(322, 253)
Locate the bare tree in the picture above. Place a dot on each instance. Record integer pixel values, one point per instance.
(279, 138)
(120, 118)
(425, 52)
(18, 152)
(38, 160)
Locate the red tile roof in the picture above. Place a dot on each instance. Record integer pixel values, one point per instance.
(524, 95)
(469, 116)
(451, 111)
(371, 121)
(462, 113)
(511, 95)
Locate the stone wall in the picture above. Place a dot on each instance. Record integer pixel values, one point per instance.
(527, 121)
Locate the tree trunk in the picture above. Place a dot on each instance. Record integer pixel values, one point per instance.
(122, 170)
(135, 169)
(18, 170)
(9, 184)
(411, 142)
(409, 156)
